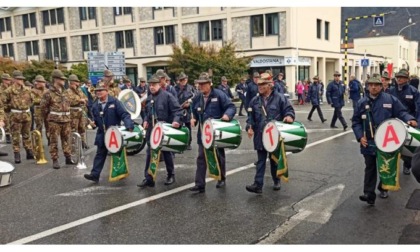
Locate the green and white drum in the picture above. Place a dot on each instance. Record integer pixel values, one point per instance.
(412, 141)
(221, 134)
(294, 135)
(168, 138)
(132, 138)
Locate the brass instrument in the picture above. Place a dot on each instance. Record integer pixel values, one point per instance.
(77, 150)
(3, 136)
(38, 147)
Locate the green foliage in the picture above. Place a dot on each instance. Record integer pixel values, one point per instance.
(194, 59)
(8, 66)
(81, 70)
(35, 68)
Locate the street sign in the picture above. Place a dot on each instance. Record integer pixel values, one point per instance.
(379, 21)
(364, 62)
(98, 62)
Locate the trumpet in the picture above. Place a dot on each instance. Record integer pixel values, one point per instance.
(77, 150)
(38, 148)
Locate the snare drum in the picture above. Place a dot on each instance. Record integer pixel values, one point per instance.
(6, 170)
(391, 135)
(412, 141)
(132, 138)
(168, 138)
(294, 135)
(221, 134)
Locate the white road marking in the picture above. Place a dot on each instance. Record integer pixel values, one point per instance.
(316, 208)
(91, 218)
(94, 190)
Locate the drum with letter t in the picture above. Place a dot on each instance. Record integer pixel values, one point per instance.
(6, 170)
(294, 135)
(168, 138)
(221, 134)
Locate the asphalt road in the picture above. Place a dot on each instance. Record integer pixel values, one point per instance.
(319, 204)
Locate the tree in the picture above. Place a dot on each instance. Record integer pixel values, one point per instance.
(8, 66)
(81, 70)
(194, 59)
(35, 68)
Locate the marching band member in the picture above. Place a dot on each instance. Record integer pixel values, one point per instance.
(184, 93)
(381, 106)
(113, 88)
(20, 100)
(409, 96)
(78, 102)
(164, 107)
(335, 97)
(225, 87)
(6, 83)
(314, 94)
(268, 105)
(37, 93)
(55, 105)
(107, 111)
(141, 90)
(210, 103)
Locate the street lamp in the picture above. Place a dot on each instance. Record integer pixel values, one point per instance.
(399, 53)
(405, 28)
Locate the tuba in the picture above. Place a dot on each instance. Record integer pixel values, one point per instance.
(37, 147)
(77, 151)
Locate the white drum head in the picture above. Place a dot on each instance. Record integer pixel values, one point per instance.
(390, 135)
(6, 167)
(270, 137)
(207, 135)
(113, 140)
(156, 136)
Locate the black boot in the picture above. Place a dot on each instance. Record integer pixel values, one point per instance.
(85, 146)
(17, 158)
(69, 161)
(29, 154)
(56, 165)
(8, 139)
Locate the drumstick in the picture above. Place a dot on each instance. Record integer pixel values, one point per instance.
(364, 127)
(370, 122)
(249, 110)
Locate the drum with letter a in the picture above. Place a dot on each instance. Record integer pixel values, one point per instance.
(113, 139)
(391, 135)
(294, 135)
(168, 138)
(221, 134)
(6, 170)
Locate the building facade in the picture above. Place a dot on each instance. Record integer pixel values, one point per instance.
(298, 41)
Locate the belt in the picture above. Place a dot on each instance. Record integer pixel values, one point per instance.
(37, 106)
(59, 113)
(76, 108)
(20, 111)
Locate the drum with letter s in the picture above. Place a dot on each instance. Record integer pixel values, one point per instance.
(221, 134)
(393, 135)
(168, 138)
(294, 135)
(6, 170)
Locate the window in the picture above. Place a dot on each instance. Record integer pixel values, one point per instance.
(203, 29)
(318, 28)
(124, 39)
(90, 42)
(31, 48)
(159, 35)
(169, 34)
(327, 30)
(257, 26)
(87, 13)
(29, 20)
(118, 11)
(216, 30)
(7, 50)
(5, 24)
(56, 47)
(272, 24)
(53, 17)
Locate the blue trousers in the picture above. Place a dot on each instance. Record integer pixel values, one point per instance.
(259, 176)
(99, 161)
(200, 174)
(169, 162)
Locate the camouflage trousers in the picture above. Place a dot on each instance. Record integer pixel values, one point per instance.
(20, 124)
(7, 122)
(78, 123)
(40, 120)
(62, 130)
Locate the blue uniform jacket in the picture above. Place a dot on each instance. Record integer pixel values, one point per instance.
(314, 93)
(335, 94)
(113, 113)
(241, 87)
(251, 92)
(216, 106)
(384, 107)
(354, 90)
(409, 96)
(278, 107)
(183, 95)
(279, 87)
(226, 90)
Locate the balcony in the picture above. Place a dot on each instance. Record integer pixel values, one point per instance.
(163, 14)
(163, 49)
(6, 35)
(123, 20)
(30, 31)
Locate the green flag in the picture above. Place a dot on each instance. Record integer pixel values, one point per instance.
(212, 163)
(154, 162)
(119, 166)
(279, 156)
(388, 165)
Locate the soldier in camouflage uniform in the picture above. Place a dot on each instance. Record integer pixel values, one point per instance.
(78, 102)
(2, 154)
(37, 93)
(6, 82)
(56, 106)
(20, 100)
(113, 89)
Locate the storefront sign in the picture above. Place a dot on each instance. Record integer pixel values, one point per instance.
(262, 61)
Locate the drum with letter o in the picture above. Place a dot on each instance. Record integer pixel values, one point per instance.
(6, 170)
(168, 138)
(294, 135)
(391, 135)
(221, 134)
